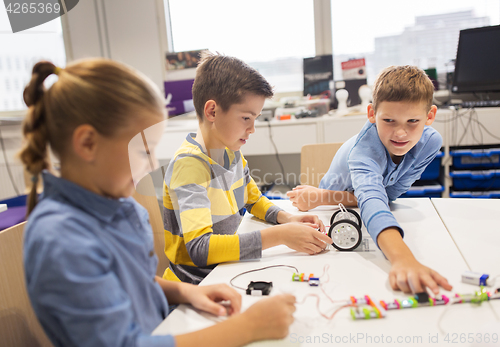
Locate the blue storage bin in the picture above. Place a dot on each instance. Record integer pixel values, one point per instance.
(476, 158)
(488, 194)
(431, 172)
(429, 191)
(482, 179)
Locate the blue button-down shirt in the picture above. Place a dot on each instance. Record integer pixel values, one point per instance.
(90, 268)
(363, 165)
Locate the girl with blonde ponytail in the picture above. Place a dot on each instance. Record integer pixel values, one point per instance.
(34, 154)
(88, 246)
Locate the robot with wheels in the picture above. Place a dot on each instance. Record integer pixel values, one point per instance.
(345, 229)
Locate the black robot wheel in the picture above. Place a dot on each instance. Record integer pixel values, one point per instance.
(346, 235)
(353, 216)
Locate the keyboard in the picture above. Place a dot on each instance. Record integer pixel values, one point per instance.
(481, 103)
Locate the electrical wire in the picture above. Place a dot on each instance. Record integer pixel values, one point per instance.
(325, 272)
(323, 282)
(319, 310)
(470, 123)
(446, 307)
(7, 165)
(456, 300)
(254, 270)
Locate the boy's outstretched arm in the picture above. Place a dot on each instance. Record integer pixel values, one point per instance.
(308, 197)
(407, 274)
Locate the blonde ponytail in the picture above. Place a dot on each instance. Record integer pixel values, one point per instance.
(34, 151)
(102, 93)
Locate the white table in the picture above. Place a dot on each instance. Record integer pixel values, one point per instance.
(474, 225)
(3, 207)
(354, 274)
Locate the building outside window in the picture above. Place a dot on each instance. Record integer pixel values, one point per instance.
(391, 32)
(271, 36)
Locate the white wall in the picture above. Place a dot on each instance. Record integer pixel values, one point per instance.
(129, 31)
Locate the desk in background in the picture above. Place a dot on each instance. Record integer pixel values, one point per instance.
(353, 274)
(290, 135)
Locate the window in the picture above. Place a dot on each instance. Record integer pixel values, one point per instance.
(272, 36)
(20, 51)
(388, 32)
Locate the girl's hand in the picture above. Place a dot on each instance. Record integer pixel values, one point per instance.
(209, 298)
(271, 317)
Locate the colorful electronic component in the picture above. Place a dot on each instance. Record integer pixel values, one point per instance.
(373, 310)
(475, 278)
(313, 281)
(419, 300)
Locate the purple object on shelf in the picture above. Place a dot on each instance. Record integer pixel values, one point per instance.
(182, 96)
(14, 215)
(180, 90)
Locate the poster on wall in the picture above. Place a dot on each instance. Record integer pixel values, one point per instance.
(181, 70)
(183, 60)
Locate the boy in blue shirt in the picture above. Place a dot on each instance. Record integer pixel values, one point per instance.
(380, 163)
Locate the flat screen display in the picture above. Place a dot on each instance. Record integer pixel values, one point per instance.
(477, 67)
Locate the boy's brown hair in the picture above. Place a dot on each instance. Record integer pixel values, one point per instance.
(403, 83)
(226, 80)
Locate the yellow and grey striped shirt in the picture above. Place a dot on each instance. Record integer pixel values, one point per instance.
(204, 203)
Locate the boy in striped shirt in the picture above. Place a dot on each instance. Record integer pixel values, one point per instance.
(208, 184)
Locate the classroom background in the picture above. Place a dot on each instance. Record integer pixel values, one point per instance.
(321, 56)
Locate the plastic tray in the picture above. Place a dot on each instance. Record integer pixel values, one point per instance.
(476, 158)
(480, 179)
(478, 195)
(429, 191)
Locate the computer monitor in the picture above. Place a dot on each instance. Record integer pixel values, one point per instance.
(477, 67)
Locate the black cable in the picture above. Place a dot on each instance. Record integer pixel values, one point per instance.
(455, 117)
(473, 121)
(7, 162)
(465, 129)
(277, 155)
(485, 129)
(254, 270)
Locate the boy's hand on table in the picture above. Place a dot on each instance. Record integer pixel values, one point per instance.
(305, 197)
(410, 276)
(271, 317)
(407, 274)
(303, 238)
(208, 298)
